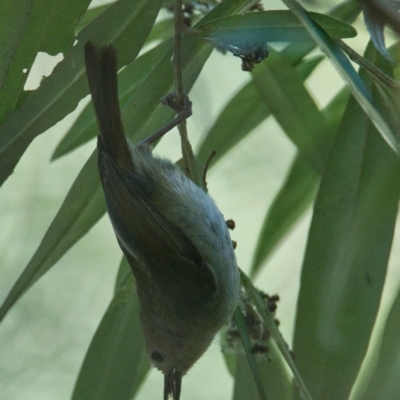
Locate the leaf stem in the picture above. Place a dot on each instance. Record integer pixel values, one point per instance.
(190, 164)
(276, 335)
(177, 58)
(250, 357)
(371, 68)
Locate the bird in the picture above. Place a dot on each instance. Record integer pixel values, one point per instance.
(170, 230)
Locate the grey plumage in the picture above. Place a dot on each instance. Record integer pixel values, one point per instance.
(171, 232)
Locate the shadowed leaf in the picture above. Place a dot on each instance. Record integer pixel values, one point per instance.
(116, 362)
(344, 266)
(270, 26)
(60, 93)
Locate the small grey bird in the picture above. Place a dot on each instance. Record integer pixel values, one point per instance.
(184, 263)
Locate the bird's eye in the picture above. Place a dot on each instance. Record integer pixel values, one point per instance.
(157, 356)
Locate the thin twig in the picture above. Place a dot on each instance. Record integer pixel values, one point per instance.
(364, 63)
(250, 357)
(177, 59)
(275, 333)
(189, 161)
(207, 164)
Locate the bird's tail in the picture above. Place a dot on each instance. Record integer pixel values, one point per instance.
(101, 69)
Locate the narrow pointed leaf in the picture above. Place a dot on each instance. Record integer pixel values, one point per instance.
(296, 194)
(116, 363)
(285, 94)
(293, 199)
(346, 256)
(129, 79)
(81, 209)
(242, 114)
(90, 15)
(255, 371)
(271, 326)
(347, 11)
(27, 27)
(60, 93)
(276, 379)
(84, 204)
(384, 383)
(270, 26)
(346, 71)
(162, 30)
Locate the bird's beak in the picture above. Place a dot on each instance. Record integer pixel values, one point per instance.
(172, 384)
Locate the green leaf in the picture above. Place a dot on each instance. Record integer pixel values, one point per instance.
(269, 26)
(346, 71)
(116, 362)
(84, 204)
(124, 273)
(346, 256)
(299, 189)
(249, 354)
(334, 111)
(27, 27)
(275, 377)
(384, 383)
(271, 326)
(129, 79)
(285, 94)
(162, 30)
(242, 114)
(295, 196)
(90, 15)
(60, 93)
(82, 208)
(347, 11)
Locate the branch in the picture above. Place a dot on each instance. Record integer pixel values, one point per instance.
(191, 166)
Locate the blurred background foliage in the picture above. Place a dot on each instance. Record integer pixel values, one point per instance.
(308, 173)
